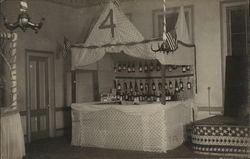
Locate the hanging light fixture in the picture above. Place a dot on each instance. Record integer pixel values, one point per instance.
(23, 20)
(169, 43)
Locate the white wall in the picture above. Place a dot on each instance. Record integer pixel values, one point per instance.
(206, 32)
(74, 24)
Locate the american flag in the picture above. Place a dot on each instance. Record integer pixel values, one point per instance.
(171, 39)
(66, 47)
(117, 2)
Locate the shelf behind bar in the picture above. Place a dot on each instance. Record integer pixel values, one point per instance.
(154, 77)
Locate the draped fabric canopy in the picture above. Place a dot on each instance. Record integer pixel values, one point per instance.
(114, 33)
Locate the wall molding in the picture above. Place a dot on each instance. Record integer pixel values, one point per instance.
(213, 109)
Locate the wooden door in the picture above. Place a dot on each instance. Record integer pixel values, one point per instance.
(87, 86)
(39, 97)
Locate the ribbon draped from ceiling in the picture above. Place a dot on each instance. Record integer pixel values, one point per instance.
(114, 33)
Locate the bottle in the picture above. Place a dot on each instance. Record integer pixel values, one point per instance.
(118, 96)
(183, 69)
(146, 67)
(189, 85)
(176, 87)
(143, 96)
(151, 67)
(129, 68)
(119, 67)
(126, 96)
(141, 86)
(146, 86)
(140, 67)
(119, 86)
(167, 95)
(166, 85)
(181, 87)
(133, 67)
(115, 68)
(125, 86)
(170, 85)
(153, 86)
(136, 86)
(158, 66)
(188, 68)
(130, 87)
(159, 85)
(170, 68)
(124, 67)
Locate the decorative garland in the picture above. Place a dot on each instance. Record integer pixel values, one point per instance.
(11, 64)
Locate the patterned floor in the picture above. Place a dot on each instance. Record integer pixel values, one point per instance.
(60, 148)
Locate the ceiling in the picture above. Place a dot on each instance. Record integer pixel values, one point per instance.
(82, 3)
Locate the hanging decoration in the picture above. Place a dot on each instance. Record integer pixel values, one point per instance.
(11, 63)
(23, 20)
(169, 43)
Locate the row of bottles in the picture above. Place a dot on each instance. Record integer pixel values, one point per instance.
(146, 67)
(147, 86)
(146, 90)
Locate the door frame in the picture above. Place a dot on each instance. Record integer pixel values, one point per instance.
(51, 82)
(224, 5)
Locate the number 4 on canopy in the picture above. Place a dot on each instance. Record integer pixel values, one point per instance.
(111, 24)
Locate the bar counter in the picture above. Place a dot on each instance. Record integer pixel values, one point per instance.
(149, 127)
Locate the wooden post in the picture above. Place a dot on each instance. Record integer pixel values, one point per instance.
(163, 81)
(73, 78)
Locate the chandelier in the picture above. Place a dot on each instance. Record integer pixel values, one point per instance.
(23, 20)
(169, 39)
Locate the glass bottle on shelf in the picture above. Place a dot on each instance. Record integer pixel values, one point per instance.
(176, 87)
(175, 67)
(153, 86)
(170, 68)
(119, 67)
(119, 86)
(188, 68)
(126, 96)
(141, 86)
(166, 85)
(159, 85)
(115, 68)
(151, 67)
(140, 67)
(158, 66)
(184, 69)
(124, 67)
(129, 68)
(146, 86)
(130, 87)
(189, 85)
(118, 95)
(136, 86)
(170, 85)
(146, 67)
(181, 87)
(167, 95)
(133, 67)
(125, 86)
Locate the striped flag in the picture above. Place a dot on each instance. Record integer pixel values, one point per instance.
(117, 2)
(66, 47)
(171, 40)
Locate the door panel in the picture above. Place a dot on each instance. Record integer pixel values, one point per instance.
(87, 81)
(39, 102)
